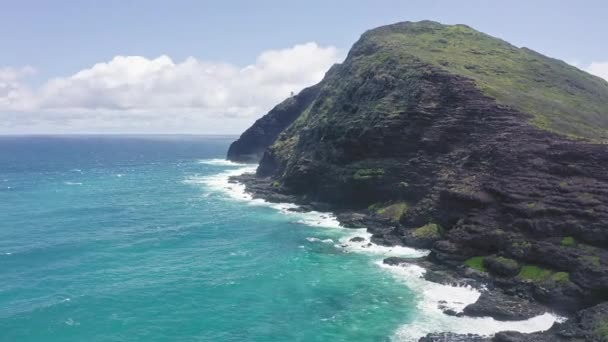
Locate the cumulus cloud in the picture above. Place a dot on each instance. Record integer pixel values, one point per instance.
(598, 69)
(13, 93)
(137, 94)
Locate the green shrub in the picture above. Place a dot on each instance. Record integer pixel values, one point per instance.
(392, 212)
(568, 241)
(476, 263)
(364, 174)
(560, 276)
(534, 273)
(430, 230)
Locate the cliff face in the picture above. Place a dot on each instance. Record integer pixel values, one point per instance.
(253, 142)
(488, 154)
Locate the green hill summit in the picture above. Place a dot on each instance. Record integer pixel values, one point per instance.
(560, 97)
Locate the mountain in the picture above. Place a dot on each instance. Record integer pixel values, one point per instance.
(492, 156)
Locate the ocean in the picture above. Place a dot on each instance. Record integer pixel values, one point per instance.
(142, 238)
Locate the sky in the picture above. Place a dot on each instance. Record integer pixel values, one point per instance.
(214, 67)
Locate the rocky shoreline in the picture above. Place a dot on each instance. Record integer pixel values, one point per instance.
(504, 299)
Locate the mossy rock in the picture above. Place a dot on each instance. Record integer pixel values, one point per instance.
(501, 266)
(534, 273)
(568, 241)
(428, 231)
(601, 329)
(366, 174)
(560, 277)
(476, 263)
(591, 261)
(520, 248)
(391, 212)
(538, 274)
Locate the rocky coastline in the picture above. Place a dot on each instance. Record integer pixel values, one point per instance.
(502, 299)
(492, 157)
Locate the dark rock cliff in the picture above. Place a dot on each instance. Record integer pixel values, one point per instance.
(455, 157)
(253, 142)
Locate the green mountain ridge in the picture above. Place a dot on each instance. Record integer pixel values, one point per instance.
(561, 97)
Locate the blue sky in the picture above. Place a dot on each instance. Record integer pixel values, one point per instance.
(44, 40)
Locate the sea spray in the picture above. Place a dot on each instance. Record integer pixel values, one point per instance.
(430, 318)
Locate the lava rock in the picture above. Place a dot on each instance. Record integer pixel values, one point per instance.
(501, 266)
(396, 261)
(502, 307)
(451, 337)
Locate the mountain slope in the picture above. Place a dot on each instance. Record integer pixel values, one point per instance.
(462, 143)
(561, 97)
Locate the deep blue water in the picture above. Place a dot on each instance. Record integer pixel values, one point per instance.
(127, 239)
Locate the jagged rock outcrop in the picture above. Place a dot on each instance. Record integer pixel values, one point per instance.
(250, 147)
(463, 143)
(589, 325)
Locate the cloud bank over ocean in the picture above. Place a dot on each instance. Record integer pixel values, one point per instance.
(138, 94)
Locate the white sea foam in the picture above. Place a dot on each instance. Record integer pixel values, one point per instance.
(429, 317)
(71, 322)
(368, 247)
(239, 253)
(219, 162)
(221, 183)
(72, 183)
(314, 239)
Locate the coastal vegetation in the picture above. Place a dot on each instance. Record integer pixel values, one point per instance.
(476, 263)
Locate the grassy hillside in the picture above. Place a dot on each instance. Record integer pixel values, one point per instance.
(561, 98)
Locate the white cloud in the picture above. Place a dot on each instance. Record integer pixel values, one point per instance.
(137, 94)
(13, 93)
(599, 69)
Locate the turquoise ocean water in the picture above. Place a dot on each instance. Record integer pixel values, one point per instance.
(142, 239)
